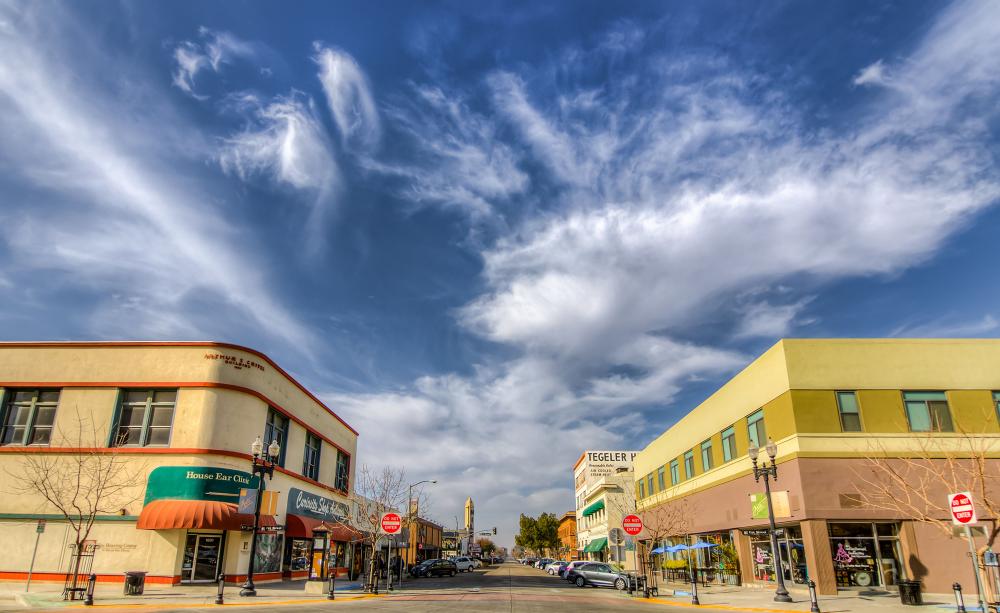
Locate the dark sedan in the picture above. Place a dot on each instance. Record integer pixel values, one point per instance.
(434, 568)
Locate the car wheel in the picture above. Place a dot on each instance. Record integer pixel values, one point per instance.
(580, 582)
(453, 573)
(619, 584)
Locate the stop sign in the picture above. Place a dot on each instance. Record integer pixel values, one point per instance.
(391, 523)
(963, 512)
(632, 524)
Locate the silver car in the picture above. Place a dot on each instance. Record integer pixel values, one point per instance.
(599, 574)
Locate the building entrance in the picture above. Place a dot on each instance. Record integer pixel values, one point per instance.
(202, 553)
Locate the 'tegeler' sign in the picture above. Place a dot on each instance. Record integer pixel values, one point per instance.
(610, 456)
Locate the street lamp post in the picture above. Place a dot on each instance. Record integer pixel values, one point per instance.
(409, 522)
(769, 471)
(260, 465)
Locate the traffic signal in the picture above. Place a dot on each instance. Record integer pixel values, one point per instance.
(494, 530)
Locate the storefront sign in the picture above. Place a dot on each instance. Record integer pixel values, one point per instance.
(197, 483)
(606, 463)
(761, 532)
(317, 507)
(235, 361)
(758, 505)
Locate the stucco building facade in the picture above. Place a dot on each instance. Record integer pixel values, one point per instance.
(832, 407)
(182, 416)
(603, 483)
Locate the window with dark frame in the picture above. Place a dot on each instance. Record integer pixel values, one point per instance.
(310, 457)
(729, 444)
(755, 429)
(276, 429)
(649, 484)
(342, 478)
(642, 489)
(706, 455)
(675, 473)
(996, 403)
(661, 478)
(850, 415)
(28, 416)
(688, 464)
(145, 418)
(928, 412)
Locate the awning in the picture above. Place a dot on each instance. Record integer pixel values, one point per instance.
(594, 508)
(303, 527)
(596, 545)
(196, 514)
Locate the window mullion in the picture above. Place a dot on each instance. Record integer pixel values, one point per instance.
(28, 423)
(147, 419)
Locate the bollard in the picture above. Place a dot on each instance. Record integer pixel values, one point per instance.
(89, 599)
(959, 601)
(222, 587)
(813, 603)
(694, 590)
(333, 581)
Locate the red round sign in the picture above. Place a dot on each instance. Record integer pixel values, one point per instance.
(391, 523)
(632, 524)
(962, 509)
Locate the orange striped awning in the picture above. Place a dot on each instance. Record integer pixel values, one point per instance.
(196, 514)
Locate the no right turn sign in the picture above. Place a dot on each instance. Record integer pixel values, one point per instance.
(963, 512)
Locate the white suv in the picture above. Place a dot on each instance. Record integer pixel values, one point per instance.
(463, 563)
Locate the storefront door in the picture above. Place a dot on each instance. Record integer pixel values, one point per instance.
(202, 554)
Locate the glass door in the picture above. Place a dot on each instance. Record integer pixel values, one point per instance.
(202, 553)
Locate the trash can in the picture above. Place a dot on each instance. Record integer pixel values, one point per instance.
(909, 593)
(135, 582)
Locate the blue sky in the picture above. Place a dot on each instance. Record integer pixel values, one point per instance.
(493, 235)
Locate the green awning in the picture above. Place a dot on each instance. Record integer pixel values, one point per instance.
(594, 508)
(596, 545)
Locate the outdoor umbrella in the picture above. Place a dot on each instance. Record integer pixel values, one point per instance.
(656, 551)
(702, 545)
(676, 548)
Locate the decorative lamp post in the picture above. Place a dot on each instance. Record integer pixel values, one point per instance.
(769, 471)
(263, 466)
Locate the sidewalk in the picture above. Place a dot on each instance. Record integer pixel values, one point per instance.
(749, 598)
(49, 595)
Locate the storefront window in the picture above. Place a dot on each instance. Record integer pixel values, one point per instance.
(299, 555)
(763, 566)
(865, 554)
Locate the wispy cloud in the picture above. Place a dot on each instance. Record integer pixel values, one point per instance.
(948, 327)
(215, 49)
(349, 97)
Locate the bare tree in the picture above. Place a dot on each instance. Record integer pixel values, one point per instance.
(92, 481)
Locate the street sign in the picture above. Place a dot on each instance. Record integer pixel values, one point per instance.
(40, 528)
(632, 524)
(963, 512)
(391, 523)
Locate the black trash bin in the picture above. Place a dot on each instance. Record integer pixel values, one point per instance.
(909, 593)
(135, 582)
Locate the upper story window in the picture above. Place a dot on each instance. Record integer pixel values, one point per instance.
(850, 415)
(145, 418)
(755, 428)
(706, 455)
(661, 478)
(342, 479)
(729, 443)
(28, 416)
(688, 464)
(675, 473)
(996, 403)
(642, 489)
(649, 484)
(276, 429)
(310, 457)
(928, 412)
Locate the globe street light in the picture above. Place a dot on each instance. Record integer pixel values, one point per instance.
(260, 465)
(768, 471)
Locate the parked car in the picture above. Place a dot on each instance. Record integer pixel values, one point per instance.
(598, 574)
(571, 566)
(434, 568)
(476, 563)
(463, 563)
(543, 562)
(556, 567)
(529, 561)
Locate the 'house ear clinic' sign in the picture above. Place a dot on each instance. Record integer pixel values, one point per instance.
(197, 483)
(317, 507)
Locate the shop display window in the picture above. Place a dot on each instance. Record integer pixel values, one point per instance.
(865, 554)
(298, 559)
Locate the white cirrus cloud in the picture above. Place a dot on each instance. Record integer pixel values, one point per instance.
(215, 49)
(349, 98)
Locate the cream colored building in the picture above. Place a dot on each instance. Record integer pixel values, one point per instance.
(604, 484)
(183, 416)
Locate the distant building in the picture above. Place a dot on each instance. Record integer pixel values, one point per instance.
(604, 489)
(425, 541)
(567, 535)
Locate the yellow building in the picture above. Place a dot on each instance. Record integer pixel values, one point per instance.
(831, 406)
(180, 419)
